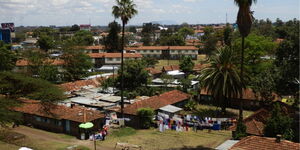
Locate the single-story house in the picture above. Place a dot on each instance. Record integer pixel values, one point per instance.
(264, 143)
(175, 98)
(58, 118)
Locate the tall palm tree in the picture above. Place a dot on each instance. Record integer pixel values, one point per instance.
(221, 78)
(125, 9)
(244, 21)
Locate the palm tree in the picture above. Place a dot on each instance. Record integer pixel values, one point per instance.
(221, 78)
(125, 9)
(244, 21)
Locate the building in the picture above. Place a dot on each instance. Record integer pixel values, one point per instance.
(175, 98)
(5, 35)
(86, 27)
(22, 64)
(166, 52)
(100, 59)
(58, 118)
(264, 143)
(95, 49)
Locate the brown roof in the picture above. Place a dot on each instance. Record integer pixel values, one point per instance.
(171, 68)
(58, 111)
(156, 102)
(162, 48)
(199, 31)
(95, 47)
(114, 55)
(255, 123)
(248, 94)
(264, 143)
(153, 71)
(77, 85)
(24, 62)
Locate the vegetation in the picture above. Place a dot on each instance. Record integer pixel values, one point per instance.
(45, 42)
(186, 64)
(112, 41)
(221, 78)
(146, 117)
(279, 123)
(7, 58)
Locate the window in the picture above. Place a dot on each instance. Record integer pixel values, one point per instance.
(151, 51)
(110, 59)
(118, 59)
(37, 118)
(57, 122)
(157, 51)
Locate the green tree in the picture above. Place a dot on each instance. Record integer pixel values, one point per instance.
(45, 42)
(210, 45)
(186, 64)
(147, 31)
(227, 34)
(279, 123)
(7, 58)
(244, 22)
(49, 73)
(146, 117)
(76, 64)
(14, 86)
(125, 9)
(167, 79)
(185, 31)
(221, 78)
(173, 40)
(135, 75)
(149, 62)
(75, 28)
(112, 42)
(82, 38)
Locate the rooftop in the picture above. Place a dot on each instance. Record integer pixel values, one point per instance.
(264, 143)
(114, 55)
(162, 48)
(55, 62)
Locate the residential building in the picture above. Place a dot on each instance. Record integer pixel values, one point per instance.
(86, 27)
(100, 59)
(166, 52)
(59, 118)
(264, 143)
(175, 98)
(95, 49)
(22, 64)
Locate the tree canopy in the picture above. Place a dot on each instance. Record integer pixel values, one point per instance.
(112, 41)
(7, 58)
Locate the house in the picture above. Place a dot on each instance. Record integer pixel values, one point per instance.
(155, 73)
(58, 118)
(264, 143)
(22, 64)
(175, 98)
(166, 52)
(256, 122)
(251, 100)
(100, 59)
(86, 27)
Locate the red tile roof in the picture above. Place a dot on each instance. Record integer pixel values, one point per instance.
(199, 31)
(153, 71)
(264, 143)
(77, 85)
(156, 102)
(255, 123)
(24, 62)
(114, 55)
(58, 111)
(101, 47)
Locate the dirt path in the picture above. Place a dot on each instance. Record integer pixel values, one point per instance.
(36, 134)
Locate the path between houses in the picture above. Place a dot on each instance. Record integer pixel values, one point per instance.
(44, 135)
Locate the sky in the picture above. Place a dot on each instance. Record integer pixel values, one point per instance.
(98, 12)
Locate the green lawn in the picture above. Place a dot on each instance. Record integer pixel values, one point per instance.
(162, 63)
(152, 139)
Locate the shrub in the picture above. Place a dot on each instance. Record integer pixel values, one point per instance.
(240, 130)
(146, 117)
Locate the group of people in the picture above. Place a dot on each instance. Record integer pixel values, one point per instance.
(189, 122)
(101, 134)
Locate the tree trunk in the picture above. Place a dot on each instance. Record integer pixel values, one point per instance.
(224, 105)
(122, 71)
(242, 78)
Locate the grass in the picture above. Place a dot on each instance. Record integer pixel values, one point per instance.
(123, 132)
(153, 139)
(162, 63)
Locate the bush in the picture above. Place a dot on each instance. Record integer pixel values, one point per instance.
(124, 132)
(240, 130)
(190, 105)
(146, 117)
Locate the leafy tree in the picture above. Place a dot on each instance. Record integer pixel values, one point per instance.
(279, 123)
(244, 22)
(173, 40)
(135, 75)
(75, 28)
(167, 79)
(35, 61)
(112, 42)
(76, 64)
(186, 64)
(210, 44)
(82, 38)
(49, 73)
(186, 84)
(150, 62)
(125, 9)
(132, 29)
(240, 130)
(221, 78)
(14, 86)
(7, 58)
(185, 31)
(45, 42)
(44, 30)
(227, 34)
(146, 117)
(208, 31)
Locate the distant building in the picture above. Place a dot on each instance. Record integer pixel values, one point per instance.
(5, 35)
(86, 27)
(100, 59)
